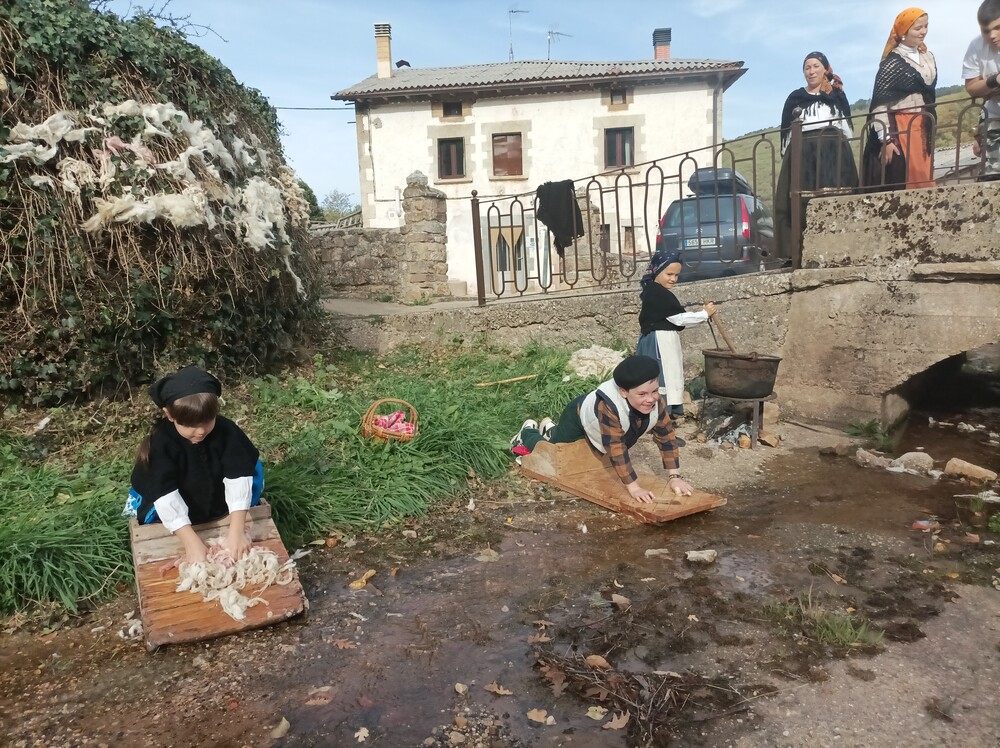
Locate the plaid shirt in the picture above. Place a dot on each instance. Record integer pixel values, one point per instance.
(617, 440)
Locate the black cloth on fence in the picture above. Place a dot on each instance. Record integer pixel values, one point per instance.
(559, 210)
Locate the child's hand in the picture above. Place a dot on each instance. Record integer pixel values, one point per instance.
(710, 308)
(639, 493)
(237, 543)
(194, 548)
(680, 486)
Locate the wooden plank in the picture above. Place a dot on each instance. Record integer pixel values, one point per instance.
(584, 472)
(171, 617)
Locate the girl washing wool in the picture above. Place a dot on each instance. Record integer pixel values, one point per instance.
(661, 318)
(195, 465)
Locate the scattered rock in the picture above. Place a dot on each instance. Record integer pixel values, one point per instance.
(455, 738)
(651, 552)
(769, 438)
(701, 557)
(727, 445)
(772, 413)
(839, 450)
(701, 437)
(919, 462)
(963, 469)
(744, 441)
(964, 427)
(869, 459)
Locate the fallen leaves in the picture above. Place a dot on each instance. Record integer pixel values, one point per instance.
(617, 722)
(621, 601)
(344, 644)
(541, 716)
(461, 688)
(359, 584)
(596, 661)
(556, 677)
(597, 712)
(361, 735)
(320, 696)
(499, 690)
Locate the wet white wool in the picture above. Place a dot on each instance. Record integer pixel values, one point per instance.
(596, 361)
(220, 578)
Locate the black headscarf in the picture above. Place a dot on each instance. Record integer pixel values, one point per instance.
(188, 381)
(657, 262)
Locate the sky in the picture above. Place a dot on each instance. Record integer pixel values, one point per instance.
(300, 52)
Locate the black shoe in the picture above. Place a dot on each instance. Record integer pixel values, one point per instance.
(680, 442)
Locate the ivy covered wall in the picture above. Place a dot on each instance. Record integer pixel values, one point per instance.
(147, 218)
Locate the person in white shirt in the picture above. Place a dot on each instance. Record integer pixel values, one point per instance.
(980, 70)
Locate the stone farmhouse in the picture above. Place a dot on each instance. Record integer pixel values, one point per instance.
(505, 128)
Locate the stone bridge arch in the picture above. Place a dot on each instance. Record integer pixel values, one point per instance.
(891, 285)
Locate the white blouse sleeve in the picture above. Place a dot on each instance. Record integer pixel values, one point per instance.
(172, 511)
(688, 318)
(239, 493)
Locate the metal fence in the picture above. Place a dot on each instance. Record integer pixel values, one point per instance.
(689, 202)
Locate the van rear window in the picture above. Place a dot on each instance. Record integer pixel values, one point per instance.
(694, 210)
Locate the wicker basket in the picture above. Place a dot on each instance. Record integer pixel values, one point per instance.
(369, 429)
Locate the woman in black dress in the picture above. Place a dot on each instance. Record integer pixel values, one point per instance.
(827, 158)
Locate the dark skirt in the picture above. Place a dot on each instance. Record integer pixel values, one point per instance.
(827, 161)
(875, 175)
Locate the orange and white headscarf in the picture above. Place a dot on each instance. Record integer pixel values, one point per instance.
(900, 26)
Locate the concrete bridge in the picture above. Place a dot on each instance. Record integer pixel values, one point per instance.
(891, 284)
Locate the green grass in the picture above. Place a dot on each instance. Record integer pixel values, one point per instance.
(61, 492)
(804, 616)
(994, 523)
(872, 432)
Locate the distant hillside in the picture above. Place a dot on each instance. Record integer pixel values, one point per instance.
(951, 101)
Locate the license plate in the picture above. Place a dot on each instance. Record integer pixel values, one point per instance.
(705, 241)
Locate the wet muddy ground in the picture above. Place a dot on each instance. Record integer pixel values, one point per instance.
(512, 594)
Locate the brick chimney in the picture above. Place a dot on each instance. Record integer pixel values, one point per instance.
(661, 44)
(383, 49)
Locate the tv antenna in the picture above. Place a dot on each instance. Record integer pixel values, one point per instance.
(549, 34)
(510, 30)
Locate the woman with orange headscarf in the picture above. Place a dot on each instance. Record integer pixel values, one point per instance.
(900, 146)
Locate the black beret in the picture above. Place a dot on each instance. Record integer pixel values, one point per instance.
(636, 370)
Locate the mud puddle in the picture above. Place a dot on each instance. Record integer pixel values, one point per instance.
(512, 597)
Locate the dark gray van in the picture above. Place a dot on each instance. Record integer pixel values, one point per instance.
(723, 229)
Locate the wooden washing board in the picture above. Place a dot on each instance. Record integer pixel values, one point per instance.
(583, 472)
(171, 617)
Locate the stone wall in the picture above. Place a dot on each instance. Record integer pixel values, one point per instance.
(407, 264)
(755, 310)
(892, 284)
(958, 223)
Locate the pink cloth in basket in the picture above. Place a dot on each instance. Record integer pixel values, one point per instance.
(396, 422)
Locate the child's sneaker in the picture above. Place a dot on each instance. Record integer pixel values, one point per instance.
(545, 426)
(515, 440)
